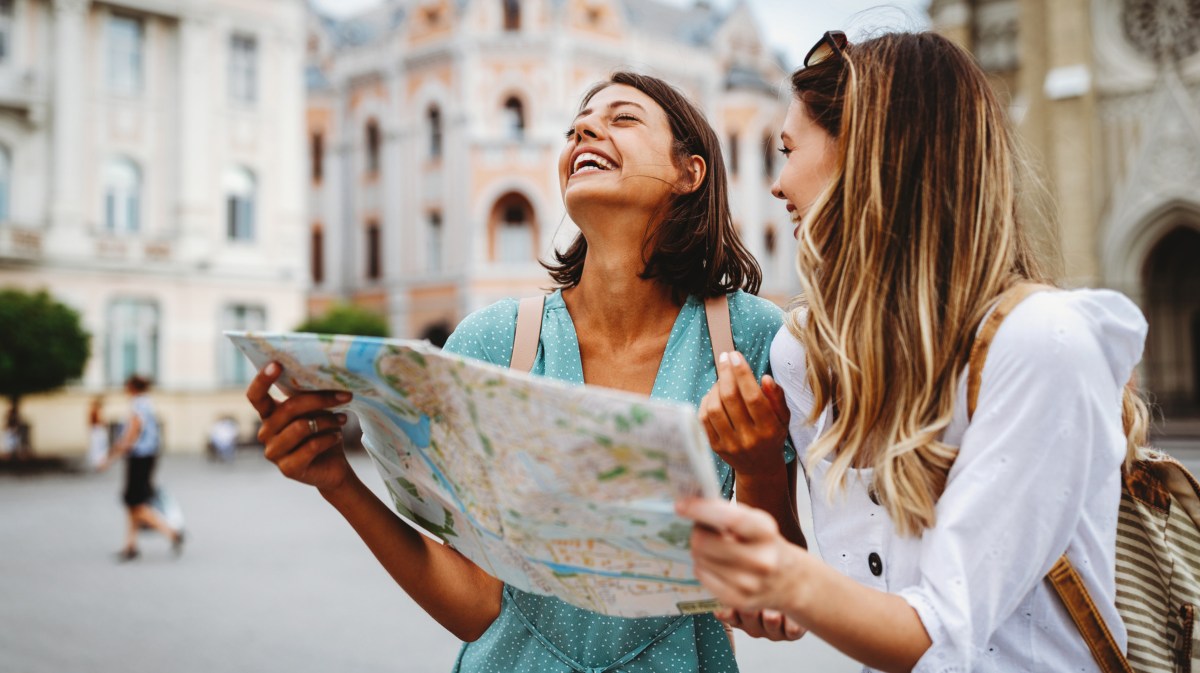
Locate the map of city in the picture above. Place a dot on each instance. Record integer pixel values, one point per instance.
(553, 488)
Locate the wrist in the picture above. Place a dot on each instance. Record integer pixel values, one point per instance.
(343, 491)
(799, 587)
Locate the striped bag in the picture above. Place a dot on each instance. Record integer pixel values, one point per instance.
(1158, 549)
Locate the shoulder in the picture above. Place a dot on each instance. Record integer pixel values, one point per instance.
(486, 334)
(1056, 333)
(754, 321)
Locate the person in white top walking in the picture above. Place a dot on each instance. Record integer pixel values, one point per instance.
(936, 528)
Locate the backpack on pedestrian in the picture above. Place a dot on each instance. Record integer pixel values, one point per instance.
(1158, 544)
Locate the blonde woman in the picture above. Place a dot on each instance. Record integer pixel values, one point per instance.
(935, 529)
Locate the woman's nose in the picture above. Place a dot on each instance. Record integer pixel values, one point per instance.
(776, 191)
(585, 127)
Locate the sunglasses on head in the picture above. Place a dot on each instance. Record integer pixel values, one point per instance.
(830, 45)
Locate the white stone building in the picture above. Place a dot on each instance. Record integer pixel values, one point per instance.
(434, 128)
(1107, 95)
(151, 176)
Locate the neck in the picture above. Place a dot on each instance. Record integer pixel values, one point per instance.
(613, 302)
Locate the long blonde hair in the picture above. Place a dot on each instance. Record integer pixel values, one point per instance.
(902, 255)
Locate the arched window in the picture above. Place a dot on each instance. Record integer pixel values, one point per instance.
(733, 154)
(122, 196)
(514, 118)
(318, 157)
(513, 230)
(434, 243)
(240, 189)
(512, 15)
(434, 120)
(372, 146)
(374, 251)
(5, 182)
(317, 251)
(769, 151)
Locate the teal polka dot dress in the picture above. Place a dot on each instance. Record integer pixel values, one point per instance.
(541, 634)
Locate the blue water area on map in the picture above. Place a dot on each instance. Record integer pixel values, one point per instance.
(360, 359)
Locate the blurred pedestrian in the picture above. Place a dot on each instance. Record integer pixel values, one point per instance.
(222, 438)
(97, 434)
(139, 444)
(10, 439)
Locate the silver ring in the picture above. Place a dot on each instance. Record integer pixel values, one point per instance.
(313, 427)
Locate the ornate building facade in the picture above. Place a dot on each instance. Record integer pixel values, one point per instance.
(1107, 95)
(434, 129)
(151, 158)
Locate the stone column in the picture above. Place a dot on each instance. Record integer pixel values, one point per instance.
(69, 107)
(200, 217)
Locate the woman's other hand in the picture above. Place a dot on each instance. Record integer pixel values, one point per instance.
(769, 624)
(300, 434)
(746, 423)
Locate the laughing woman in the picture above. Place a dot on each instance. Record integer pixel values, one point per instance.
(642, 176)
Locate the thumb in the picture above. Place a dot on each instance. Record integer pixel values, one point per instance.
(775, 396)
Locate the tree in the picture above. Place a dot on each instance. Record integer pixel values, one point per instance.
(347, 319)
(42, 344)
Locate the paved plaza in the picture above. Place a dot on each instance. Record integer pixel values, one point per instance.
(271, 581)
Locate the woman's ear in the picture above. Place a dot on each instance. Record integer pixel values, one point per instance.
(692, 175)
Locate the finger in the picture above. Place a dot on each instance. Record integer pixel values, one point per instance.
(300, 405)
(731, 396)
(771, 623)
(745, 523)
(299, 431)
(259, 390)
(299, 460)
(792, 630)
(716, 417)
(776, 399)
(758, 407)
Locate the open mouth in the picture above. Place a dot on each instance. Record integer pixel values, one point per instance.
(588, 162)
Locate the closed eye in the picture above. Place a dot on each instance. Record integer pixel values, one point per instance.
(625, 116)
(570, 133)
(785, 151)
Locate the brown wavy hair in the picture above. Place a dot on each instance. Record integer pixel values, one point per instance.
(903, 254)
(693, 248)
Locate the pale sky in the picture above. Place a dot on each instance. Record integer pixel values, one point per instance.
(790, 26)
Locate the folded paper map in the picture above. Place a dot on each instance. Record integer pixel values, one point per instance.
(553, 488)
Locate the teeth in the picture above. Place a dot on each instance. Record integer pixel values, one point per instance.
(601, 162)
(796, 216)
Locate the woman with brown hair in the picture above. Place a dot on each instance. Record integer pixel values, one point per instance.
(936, 526)
(642, 176)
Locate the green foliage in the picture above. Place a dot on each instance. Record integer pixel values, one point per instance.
(347, 319)
(42, 343)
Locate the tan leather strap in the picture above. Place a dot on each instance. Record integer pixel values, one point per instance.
(1066, 581)
(720, 333)
(1005, 304)
(1075, 597)
(529, 331)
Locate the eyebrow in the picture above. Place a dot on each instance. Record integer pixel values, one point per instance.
(611, 106)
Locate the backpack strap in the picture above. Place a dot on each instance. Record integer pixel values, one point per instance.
(720, 333)
(1008, 300)
(529, 332)
(529, 329)
(1062, 576)
(1070, 589)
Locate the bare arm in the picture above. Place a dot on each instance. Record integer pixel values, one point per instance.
(747, 425)
(743, 559)
(124, 443)
(304, 440)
